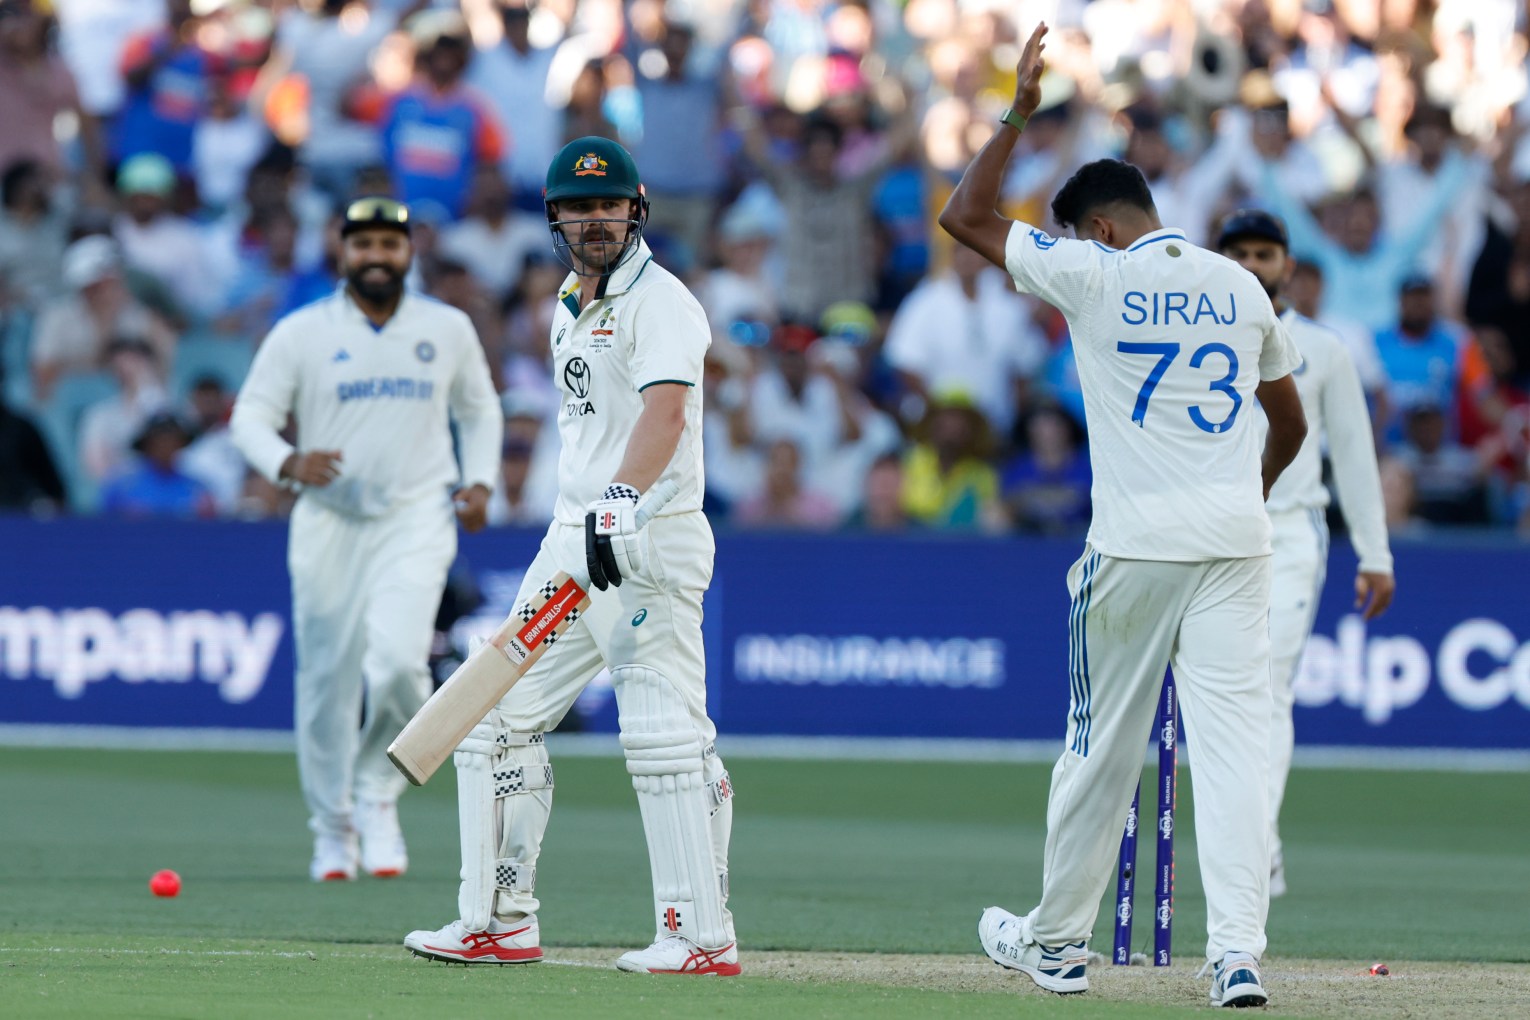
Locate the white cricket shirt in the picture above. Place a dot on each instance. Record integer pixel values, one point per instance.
(1336, 413)
(647, 328)
(382, 397)
(1171, 341)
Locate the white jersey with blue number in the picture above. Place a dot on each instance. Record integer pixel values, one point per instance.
(1171, 341)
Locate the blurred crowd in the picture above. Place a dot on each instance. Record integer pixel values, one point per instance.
(172, 172)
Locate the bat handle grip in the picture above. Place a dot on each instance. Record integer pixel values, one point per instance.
(658, 496)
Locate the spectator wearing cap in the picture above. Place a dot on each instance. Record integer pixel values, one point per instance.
(967, 329)
(515, 75)
(108, 428)
(168, 248)
(438, 131)
(155, 486)
(73, 331)
(948, 482)
(166, 72)
(680, 146)
(1421, 354)
(34, 230)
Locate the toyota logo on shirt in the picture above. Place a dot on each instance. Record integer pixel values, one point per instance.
(576, 376)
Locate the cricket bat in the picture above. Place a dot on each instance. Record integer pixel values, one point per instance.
(488, 674)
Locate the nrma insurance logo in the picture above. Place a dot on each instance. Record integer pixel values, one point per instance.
(1480, 665)
(74, 648)
(861, 661)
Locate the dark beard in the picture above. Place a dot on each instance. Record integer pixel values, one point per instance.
(376, 293)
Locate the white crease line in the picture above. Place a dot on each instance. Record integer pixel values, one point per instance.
(106, 951)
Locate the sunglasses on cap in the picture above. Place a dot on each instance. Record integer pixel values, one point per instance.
(375, 212)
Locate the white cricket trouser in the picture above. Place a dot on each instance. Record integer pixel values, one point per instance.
(1299, 567)
(365, 593)
(1130, 620)
(651, 620)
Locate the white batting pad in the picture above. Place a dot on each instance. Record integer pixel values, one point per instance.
(664, 757)
(504, 799)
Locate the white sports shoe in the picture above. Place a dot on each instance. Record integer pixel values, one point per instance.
(676, 954)
(334, 858)
(1058, 969)
(502, 943)
(383, 854)
(1235, 981)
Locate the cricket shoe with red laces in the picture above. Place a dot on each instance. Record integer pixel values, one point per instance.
(520, 942)
(676, 954)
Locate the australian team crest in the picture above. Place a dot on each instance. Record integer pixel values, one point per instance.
(425, 351)
(590, 165)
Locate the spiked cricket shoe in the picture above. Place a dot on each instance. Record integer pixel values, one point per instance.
(676, 954)
(1055, 968)
(1235, 981)
(520, 942)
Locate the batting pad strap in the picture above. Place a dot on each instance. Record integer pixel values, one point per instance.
(510, 738)
(662, 754)
(720, 791)
(510, 778)
(513, 876)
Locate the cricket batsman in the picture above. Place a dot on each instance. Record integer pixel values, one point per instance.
(1334, 403)
(627, 342)
(371, 375)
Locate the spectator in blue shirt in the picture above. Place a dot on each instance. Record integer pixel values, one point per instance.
(155, 487)
(1363, 261)
(437, 132)
(1421, 355)
(1046, 488)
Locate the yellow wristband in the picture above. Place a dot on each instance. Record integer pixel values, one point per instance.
(1013, 119)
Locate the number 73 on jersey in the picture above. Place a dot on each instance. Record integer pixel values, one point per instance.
(1166, 353)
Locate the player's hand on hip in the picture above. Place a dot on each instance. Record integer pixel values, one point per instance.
(1373, 592)
(1028, 73)
(316, 468)
(612, 539)
(472, 503)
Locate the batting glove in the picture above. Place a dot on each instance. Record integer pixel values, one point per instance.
(612, 541)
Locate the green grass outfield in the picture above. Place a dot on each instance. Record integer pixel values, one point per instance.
(858, 857)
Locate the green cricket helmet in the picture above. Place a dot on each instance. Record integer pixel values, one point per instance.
(593, 167)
